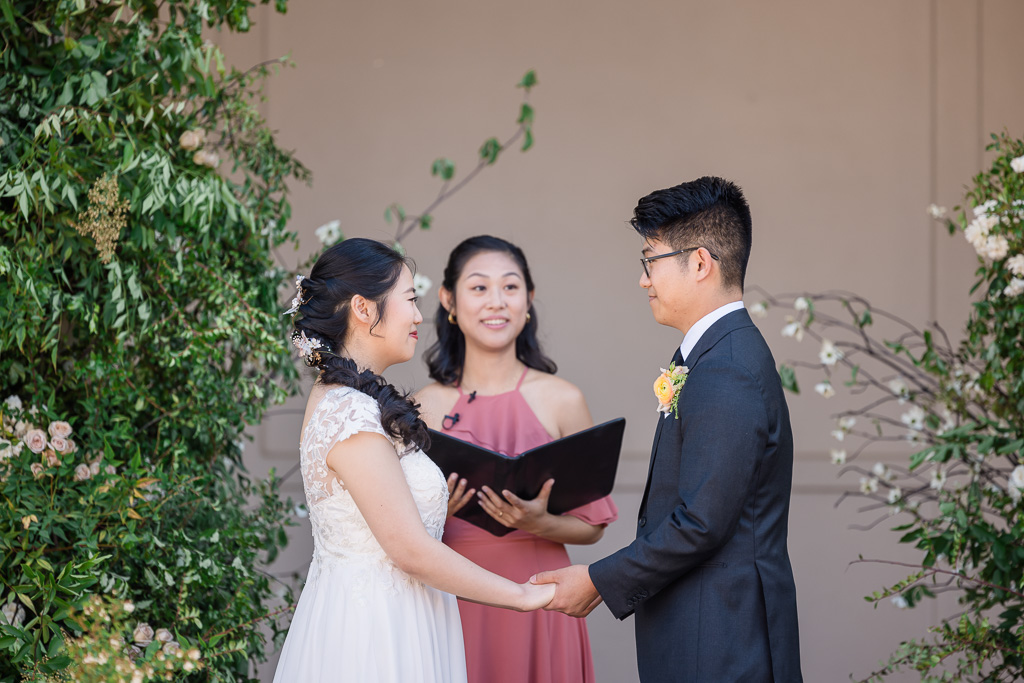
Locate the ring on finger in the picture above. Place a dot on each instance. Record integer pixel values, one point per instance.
(500, 513)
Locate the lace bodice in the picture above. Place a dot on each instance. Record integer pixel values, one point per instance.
(340, 534)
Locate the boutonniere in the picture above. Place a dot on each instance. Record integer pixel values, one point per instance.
(667, 387)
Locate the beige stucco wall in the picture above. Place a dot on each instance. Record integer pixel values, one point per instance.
(841, 120)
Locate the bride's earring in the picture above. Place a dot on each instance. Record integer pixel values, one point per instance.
(451, 318)
(527, 316)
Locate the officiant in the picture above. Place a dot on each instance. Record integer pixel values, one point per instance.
(494, 387)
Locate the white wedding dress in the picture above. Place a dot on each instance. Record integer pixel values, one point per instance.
(360, 618)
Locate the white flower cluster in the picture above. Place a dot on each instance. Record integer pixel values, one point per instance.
(1018, 164)
(900, 388)
(1015, 264)
(979, 233)
(329, 233)
(937, 212)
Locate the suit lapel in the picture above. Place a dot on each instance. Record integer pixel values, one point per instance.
(714, 334)
(677, 358)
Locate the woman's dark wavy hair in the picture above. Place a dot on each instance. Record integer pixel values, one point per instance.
(370, 269)
(446, 357)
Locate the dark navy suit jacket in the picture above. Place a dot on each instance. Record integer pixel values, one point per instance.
(708, 576)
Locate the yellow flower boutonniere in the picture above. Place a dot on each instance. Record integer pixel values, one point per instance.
(668, 386)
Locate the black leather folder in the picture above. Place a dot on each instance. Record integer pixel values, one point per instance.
(583, 466)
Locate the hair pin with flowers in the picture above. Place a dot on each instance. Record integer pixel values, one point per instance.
(310, 350)
(297, 300)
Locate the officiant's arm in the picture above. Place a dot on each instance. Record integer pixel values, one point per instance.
(725, 430)
(369, 468)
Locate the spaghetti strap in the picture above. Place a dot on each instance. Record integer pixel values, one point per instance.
(520, 383)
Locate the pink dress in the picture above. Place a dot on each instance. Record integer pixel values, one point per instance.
(503, 646)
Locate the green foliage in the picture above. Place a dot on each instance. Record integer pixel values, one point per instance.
(960, 496)
(154, 332)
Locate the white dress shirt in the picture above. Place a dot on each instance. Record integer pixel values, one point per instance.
(694, 334)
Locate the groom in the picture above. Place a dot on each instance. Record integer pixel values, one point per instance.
(708, 576)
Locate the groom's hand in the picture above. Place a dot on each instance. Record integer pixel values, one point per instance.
(575, 593)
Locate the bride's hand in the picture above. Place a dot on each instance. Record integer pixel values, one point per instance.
(458, 496)
(533, 598)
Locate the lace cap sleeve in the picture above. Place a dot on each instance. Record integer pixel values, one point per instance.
(342, 412)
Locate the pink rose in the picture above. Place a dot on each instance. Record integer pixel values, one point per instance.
(37, 469)
(52, 460)
(82, 472)
(60, 429)
(94, 468)
(189, 140)
(60, 444)
(110, 469)
(36, 440)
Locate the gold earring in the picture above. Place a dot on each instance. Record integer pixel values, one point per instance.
(451, 318)
(527, 316)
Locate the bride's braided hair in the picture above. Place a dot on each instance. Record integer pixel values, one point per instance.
(370, 269)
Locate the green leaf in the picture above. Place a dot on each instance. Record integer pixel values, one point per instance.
(425, 221)
(528, 80)
(527, 140)
(490, 150)
(788, 377)
(445, 168)
(525, 115)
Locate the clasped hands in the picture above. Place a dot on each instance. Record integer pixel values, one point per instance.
(575, 593)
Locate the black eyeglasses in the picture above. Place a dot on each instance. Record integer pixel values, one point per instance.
(646, 260)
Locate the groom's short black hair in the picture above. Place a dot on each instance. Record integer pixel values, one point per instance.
(708, 212)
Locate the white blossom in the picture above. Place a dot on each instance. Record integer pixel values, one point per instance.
(914, 437)
(129, 607)
(996, 247)
(914, 418)
(421, 284)
(825, 389)
(868, 485)
(894, 495)
(793, 328)
(977, 231)
(1015, 288)
(829, 354)
(985, 207)
(301, 512)
(900, 602)
(329, 232)
(838, 456)
(937, 212)
(759, 310)
(900, 388)
(1015, 264)
(13, 402)
(802, 303)
(938, 478)
(846, 423)
(880, 470)
(1018, 164)
(1016, 483)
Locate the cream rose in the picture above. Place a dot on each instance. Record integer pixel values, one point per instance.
(37, 469)
(82, 472)
(35, 439)
(143, 634)
(60, 429)
(52, 460)
(163, 635)
(190, 140)
(60, 444)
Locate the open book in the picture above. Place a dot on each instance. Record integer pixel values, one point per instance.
(583, 466)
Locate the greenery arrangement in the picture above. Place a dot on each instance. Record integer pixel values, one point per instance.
(960, 410)
(141, 200)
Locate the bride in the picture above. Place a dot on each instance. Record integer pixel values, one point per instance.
(379, 601)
